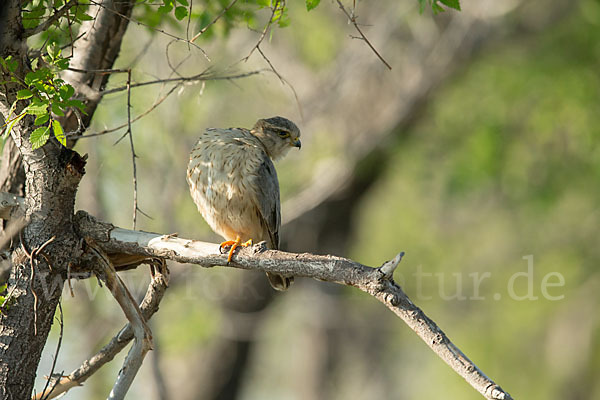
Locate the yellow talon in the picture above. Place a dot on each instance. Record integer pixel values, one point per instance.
(234, 244)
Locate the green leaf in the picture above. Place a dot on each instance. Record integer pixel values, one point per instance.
(76, 103)
(181, 12)
(32, 18)
(312, 4)
(184, 2)
(42, 119)
(451, 3)
(9, 63)
(24, 94)
(12, 123)
(62, 63)
(37, 109)
(80, 15)
(37, 76)
(57, 109)
(166, 7)
(436, 7)
(263, 3)
(53, 50)
(39, 137)
(66, 91)
(59, 134)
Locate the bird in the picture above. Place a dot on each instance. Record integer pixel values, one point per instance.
(234, 184)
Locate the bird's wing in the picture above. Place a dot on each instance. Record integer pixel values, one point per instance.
(267, 199)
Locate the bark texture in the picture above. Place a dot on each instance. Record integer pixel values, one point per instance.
(378, 282)
(50, 175)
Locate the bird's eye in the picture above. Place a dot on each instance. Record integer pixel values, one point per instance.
(283, 134)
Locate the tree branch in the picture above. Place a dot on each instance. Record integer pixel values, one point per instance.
(377, 282)
(53, 18)
(141, 333)
(148, 307)
(352, 19)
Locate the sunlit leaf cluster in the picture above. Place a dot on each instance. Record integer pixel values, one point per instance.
(48, 96)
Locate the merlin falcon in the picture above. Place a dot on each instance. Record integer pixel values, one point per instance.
(233, 182)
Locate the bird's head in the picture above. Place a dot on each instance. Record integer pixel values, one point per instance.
(278, 135)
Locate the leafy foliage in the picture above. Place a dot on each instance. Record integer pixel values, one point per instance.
(37, 11)
(48, 95)
(312, 4)
(436, 7)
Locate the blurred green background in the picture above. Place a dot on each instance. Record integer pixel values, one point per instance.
(478, 154)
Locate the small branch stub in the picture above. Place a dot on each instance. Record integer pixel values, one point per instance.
(375, 281)
(388, 268)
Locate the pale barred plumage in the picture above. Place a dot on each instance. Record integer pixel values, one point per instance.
(234, 183)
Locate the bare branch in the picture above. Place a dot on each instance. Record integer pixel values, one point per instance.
(148, 111)
(127, 18)
(148, 307)
(44, 395)
(53, 18)
(375, 281)
(141, 333)
(203, 76)
(264, 32)
(282, 80)
(352, 19)
(388, 268)
(218, 17)
(133, 155)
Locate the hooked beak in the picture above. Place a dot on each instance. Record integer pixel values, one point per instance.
(297, 143)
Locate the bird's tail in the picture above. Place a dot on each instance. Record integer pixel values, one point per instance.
(279, 282)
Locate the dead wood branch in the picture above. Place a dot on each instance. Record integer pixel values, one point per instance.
(142, 337)
(148, 307)
(377, 282)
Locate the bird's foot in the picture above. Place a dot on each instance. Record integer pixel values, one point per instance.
(234, 244)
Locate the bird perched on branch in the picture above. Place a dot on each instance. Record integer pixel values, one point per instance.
(233, 182)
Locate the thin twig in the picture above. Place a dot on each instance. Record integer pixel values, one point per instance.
(148, 307)
(148, 111)
(35, 296)
(141, 332)
(69, 280)
(31, 277)
(264, 31)
(133, 155)
(53, 18)
(151, 27)
(60, 337)
(203, 76)
(187, 28)
(174, 68)
(32, 258)
(213, 21)
(38, 251)
(352, 19)
(283, 80)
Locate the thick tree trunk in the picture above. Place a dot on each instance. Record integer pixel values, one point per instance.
(51, 175)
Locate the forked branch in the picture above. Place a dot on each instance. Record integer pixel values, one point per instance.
(378, 282)
(148, 307)
(142, 337)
